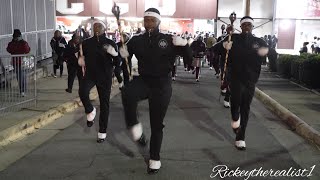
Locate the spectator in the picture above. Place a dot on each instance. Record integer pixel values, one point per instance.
(16, 47)
(58, 44)
(304, 48)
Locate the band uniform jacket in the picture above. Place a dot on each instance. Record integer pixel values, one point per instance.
(99, 63)
(244, 61)
(155, 53)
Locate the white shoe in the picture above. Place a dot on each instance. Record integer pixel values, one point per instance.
(154, 166)
(102, 135)
(92, 115)
(240, 145)
(226, 104)
(173, 78)
(23, 94)
(197, 80)
(235, 124)
(210, 68)
(136, 131)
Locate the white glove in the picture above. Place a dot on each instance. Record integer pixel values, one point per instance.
(227, 45)
(263, 51)
(179, 41)
(123, 52)
(110, 49)
(81, 61)
(62, 45)
(190, 41)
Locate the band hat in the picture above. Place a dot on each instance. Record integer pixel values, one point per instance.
(246, 19)
(100, 22)
(153, 12)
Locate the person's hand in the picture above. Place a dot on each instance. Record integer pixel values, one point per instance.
(179, 41)
(110, 49)
(263, 51)
(123, 52)
(62, 45)
(227, 45)
(81, 61)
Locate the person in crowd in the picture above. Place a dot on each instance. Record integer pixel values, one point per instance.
(155, 53)
(209, 40)
(18, 46)
(198, 50)
(304, 48)
(71, 55)
(58, 44)
(246, 53)
(97, 56)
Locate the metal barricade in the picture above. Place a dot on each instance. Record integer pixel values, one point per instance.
(18, 87)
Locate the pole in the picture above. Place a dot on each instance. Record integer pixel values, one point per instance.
(116, 13)
(247, 8)
(232, 18)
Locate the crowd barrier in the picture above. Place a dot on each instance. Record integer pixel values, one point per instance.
(18, 85)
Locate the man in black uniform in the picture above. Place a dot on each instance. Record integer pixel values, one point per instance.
(99, 54)
(245, 56)
(156, 53)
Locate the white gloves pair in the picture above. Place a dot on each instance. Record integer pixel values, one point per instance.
(110, 49)
(263, 51)
(227, 45)
(179, 41)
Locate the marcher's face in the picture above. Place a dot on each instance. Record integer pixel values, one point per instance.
(246, 27)
(151, 23)
(98, 29)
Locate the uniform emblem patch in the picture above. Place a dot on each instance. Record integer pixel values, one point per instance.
(255, 46)
(163, 43)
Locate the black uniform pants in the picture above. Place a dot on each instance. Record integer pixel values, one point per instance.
(73, 71)
(241, 98)
(55, 67)
(158, 91)
(125, 71)
(104, 90)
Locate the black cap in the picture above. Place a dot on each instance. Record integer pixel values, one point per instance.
(16, 33)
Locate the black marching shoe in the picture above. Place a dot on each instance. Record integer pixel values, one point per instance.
(101, 137)
(142, 141)
(90, 123)
(69, 90)
(152, 171)
(154, 167)
(91, 116)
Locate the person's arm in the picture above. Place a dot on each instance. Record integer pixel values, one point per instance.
(10, 48)
(25, 47)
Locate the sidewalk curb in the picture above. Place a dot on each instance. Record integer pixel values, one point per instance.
(32, 124)
(293, 121)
